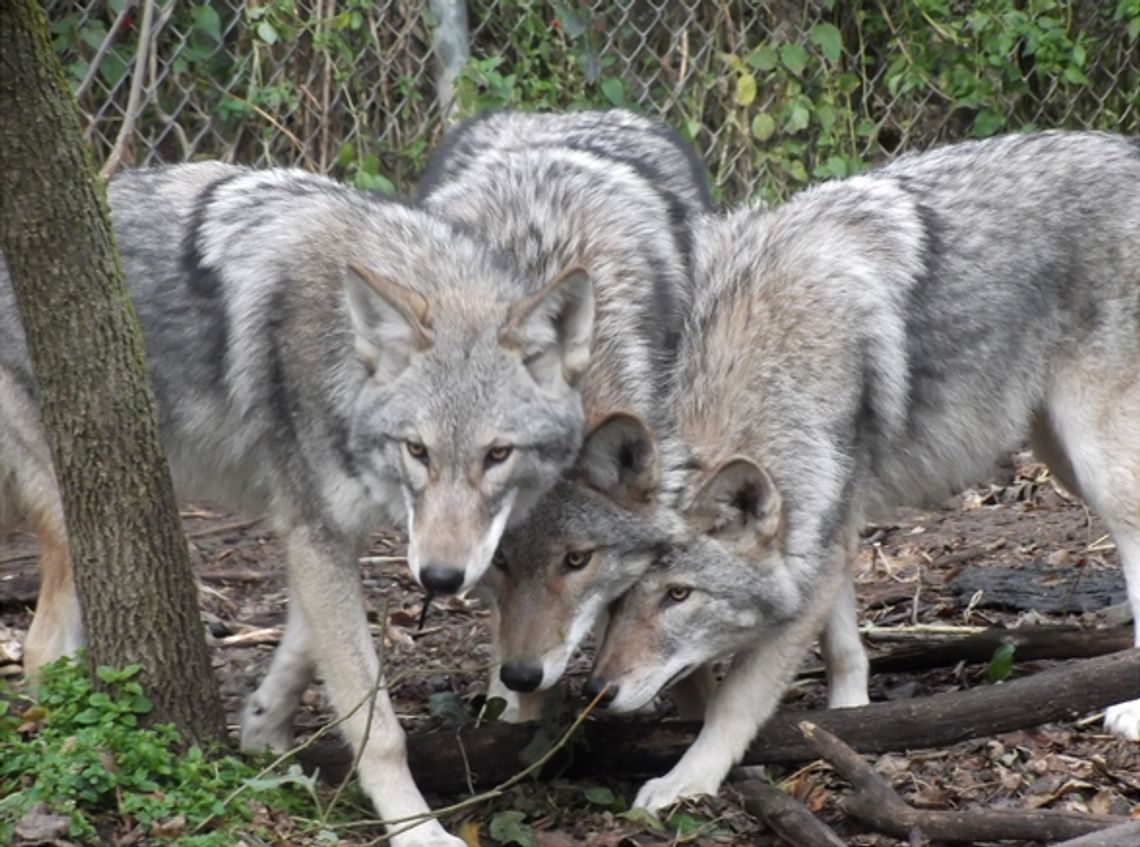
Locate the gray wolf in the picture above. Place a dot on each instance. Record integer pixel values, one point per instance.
(881, 341)
(312, 348)
(616, 194)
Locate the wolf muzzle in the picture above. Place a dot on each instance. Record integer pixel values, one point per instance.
(521, 676)
(441, 579)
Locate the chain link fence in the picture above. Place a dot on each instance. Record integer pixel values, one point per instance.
(772, 94)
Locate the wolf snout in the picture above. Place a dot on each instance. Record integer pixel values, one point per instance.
(597, 685)
(441, 579)
(521, 676)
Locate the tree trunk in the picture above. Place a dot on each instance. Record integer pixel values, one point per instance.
(132, 570)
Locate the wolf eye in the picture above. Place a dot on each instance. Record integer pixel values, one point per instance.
(679, 593)
(499, 560)
(578, 559)
(417, 451)
(496, 455)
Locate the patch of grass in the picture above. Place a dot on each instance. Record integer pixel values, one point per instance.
(81, 755)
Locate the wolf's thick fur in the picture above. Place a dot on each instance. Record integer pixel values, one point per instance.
(652, 149)
(617, 194)
(310, 348)
(881, 341)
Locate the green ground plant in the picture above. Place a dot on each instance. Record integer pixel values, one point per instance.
(81, 755)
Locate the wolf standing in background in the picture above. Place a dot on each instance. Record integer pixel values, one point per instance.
(553, 191)
(618, 194)
(301, 337)
(880, 341)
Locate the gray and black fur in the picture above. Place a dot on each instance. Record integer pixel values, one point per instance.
(618, 194)
(302, 337)
(875, 342)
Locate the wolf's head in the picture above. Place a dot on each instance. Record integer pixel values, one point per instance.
(587, 541)
(472, 409)
(709, 595)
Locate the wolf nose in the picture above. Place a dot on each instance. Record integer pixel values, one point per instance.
(594, 687)
(441, 579)
(521, 676)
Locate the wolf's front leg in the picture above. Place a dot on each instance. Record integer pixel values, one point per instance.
(843, 653)
(267, 719)
(1123, 719)
(324, 579)
(741, 704)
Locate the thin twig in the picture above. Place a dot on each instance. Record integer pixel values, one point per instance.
(903, 633)
(232, 526)
(280, 760)
(501, 788)
(134, 106)
(100, 54)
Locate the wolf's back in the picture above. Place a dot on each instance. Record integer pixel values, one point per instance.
(612, 191)
(650, 147)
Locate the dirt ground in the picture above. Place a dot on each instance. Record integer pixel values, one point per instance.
(906, 578)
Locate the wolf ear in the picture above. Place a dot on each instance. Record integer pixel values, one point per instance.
(553, 327)
(619, 457)
(739, 504)
(391, 322)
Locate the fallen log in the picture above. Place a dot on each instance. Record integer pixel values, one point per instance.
(1032, 643)
(442, 760)
(1121, 835)
(876, 804)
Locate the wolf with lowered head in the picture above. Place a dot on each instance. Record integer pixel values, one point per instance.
(879, 341)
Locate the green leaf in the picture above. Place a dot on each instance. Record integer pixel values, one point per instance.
(1001, 664)
(745, 89)
(763, 58)
(828, 39)
(1075, 76)
(374, 182)
(509, 828)
(733, 61)
(797, 115)
(599, 795)
(685, 823)
(88, 716)
(207, 21)
(345, 155)
(794, 58)
(644, 817)
(293, 776)
(763, 126)
(614, 90)
(826, 114)
(987, 123)
(447, 705)
(493, 709)
(266, 32)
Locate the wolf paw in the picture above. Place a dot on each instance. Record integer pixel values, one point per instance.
(664, 791)
(1123, 720)
(264, 728)
(430, 834)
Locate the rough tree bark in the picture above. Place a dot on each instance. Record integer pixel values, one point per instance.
(132, 569)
